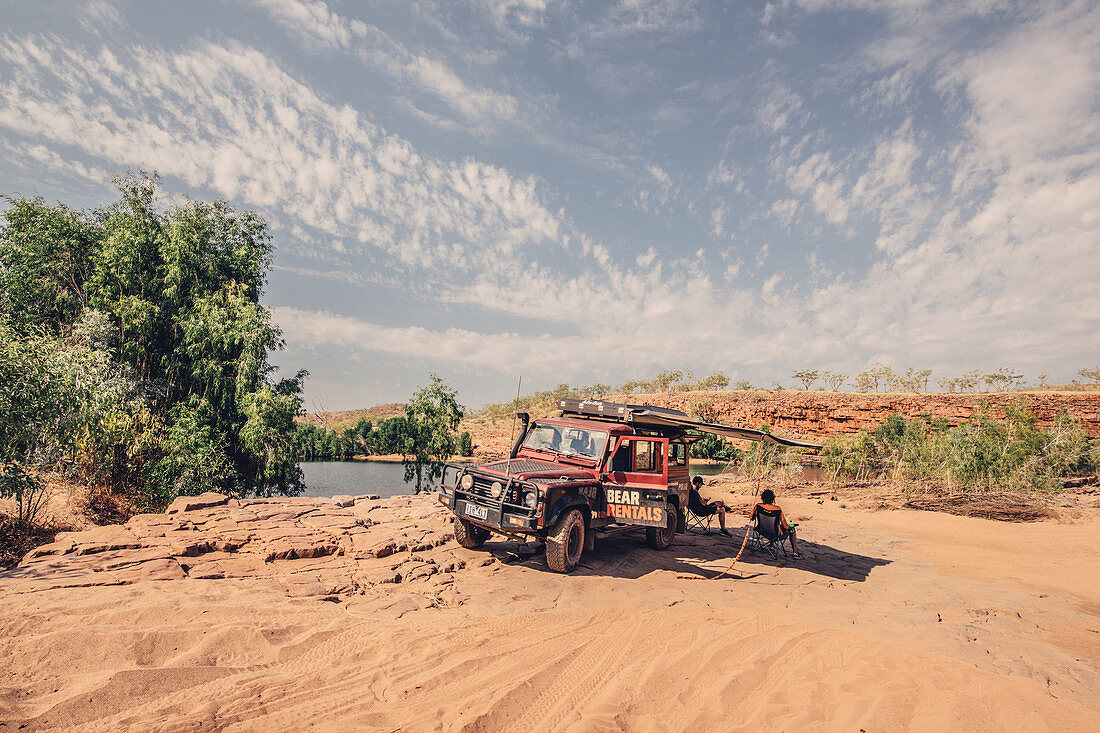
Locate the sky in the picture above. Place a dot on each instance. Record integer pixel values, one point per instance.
(594, 192)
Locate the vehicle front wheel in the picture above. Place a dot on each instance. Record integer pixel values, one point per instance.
(469, 534)
(565, 542)
(659, 538)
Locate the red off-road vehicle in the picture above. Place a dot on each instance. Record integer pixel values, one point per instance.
(599, 469)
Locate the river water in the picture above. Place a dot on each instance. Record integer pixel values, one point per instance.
(330, 478)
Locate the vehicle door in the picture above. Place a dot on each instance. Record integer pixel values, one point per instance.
(679, 472)
(636, 488)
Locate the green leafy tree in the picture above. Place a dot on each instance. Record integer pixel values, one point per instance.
(597, 391)
(45, 260)
(432, 416)
(878, 378)
(705, 411)
(807, 377)
(391, 436)
(363, 430)
(266, 439)
(664, 380)
(865, 381)
(833, 380)
(155, 319)
(1003, 379)
(1093, 374)
(970, 381)
(913, 380)
(717, 381)
(712, 447)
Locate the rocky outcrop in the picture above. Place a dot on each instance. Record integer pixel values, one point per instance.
(316, 546)
(817, 414)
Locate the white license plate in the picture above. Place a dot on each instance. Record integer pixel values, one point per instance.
(478, 512)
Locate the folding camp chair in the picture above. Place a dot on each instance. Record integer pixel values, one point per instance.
(699, 521)
(699, 515)
(766, 534)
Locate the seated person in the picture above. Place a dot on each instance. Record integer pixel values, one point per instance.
(579, 445)
(705, 509)
(767, 501)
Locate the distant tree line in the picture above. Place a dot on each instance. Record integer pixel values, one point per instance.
(424, 436)
(877, 378)
(881, 378)
(391, 436)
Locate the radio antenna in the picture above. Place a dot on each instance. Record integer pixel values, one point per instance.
(512, 439)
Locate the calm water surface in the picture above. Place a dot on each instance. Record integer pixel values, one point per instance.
(330, 478)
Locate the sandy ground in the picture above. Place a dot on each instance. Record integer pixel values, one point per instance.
(895, 620)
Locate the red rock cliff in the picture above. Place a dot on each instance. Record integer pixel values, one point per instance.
(810, 414)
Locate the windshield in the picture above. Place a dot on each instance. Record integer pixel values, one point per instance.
(567, 441)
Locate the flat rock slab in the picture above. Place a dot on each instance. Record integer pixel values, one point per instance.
(202, 501)
(317, 547)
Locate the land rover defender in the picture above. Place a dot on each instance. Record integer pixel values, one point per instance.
(598, 469)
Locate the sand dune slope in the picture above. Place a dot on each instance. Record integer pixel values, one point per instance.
(894, 621)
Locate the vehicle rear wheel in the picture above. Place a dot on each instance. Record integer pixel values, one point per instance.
(659, 538)
(469, 534)
(565, 543)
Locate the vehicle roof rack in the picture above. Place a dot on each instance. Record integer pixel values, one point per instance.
(649, 416)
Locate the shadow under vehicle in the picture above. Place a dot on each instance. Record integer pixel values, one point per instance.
(599, 469)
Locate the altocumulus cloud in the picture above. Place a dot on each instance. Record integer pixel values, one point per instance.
(962, 238)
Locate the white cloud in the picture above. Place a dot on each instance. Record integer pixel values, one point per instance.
(97, 16)
(516, 14)
(724, 174)
(718, 220)
(978, 243)
(660, 174)
(784, 210)
(311, 20)
(321, 29)
(231, 119)
(932, 199)
(782, 108)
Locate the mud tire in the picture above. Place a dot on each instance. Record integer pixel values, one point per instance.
(565, 543)
(469, 534)
(659, 538)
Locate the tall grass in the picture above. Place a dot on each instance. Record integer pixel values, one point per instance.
(985, 453)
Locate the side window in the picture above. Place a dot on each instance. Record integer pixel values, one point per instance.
(679, 454)
(647, 456)
(620, 462)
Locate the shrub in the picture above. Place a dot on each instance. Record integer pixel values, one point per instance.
(850, 457)
(712, 447)
(465, 444)
(982, 454)
(27, 491)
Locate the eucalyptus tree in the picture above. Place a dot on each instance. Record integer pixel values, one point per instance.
(166, 300)
(432, 416)
(46, 257)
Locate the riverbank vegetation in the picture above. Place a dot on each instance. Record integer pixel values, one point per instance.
(389, 437)
(984, 454)
(424, 436)
(134, 352)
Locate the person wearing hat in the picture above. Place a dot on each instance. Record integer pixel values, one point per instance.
(706, 508)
